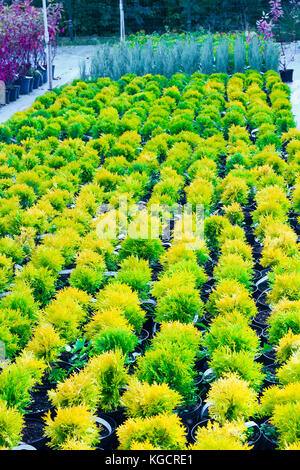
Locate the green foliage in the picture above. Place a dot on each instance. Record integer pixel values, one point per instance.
(231, 399)
(231, 330)
(71, 423)
(142, 400)
(223, 361)
(285, 317)
(112, 338)
(110, 375)
(149, 250)
(136, 273)
(228, 296)
(76, 390)
(290, 371)
(230, 436)
(163, 431)
(121, 296)
(11, 424)
(286, 419)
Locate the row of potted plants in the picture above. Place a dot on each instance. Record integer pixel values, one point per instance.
(183, 158)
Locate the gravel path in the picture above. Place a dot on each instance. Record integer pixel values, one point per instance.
(67, 62)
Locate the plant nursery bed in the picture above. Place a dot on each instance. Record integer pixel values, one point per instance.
(141, 338)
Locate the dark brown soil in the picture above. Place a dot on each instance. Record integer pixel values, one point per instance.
(262, 316)
(39, 403)
(33, 431)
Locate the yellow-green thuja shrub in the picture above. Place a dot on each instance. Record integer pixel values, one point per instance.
(143, 400)
(45, 343)
(118, 295)
(276, 395)
(74, 423)
(288, 345)
(228, 296)
(77, 390)
(11, 424)
(136, 273)
(163, 431)
(230, 436)
(231, 399)
(109, 372)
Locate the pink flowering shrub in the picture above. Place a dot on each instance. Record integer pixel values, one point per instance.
(22, 37)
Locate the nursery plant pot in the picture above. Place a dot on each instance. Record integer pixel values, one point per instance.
(190, 415)
(108, 437)
(33, 433)
(143, 336)
(44, 75)
(25, 85)
(270, 378)
(255, 439)
(262, 301)
(261, 318)
(269, 442)
(7, 95)
(31, 85)
(40, 404)
(36, 81)
(14, 92)
(201, 424)
(287, 75)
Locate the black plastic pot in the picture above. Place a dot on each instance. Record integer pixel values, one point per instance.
(287, 75)
(143, 336)
(14, 92)
(31, 85)
(25, 85)
(36, 81)
(108, 437)
(7, 95)
(267, 442)
(191, 415)
(44, 75)
(34, 427)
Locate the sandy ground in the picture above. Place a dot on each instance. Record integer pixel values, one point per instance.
(67, 62)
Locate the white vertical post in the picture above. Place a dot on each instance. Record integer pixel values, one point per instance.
(122, 22)
(48, 45)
